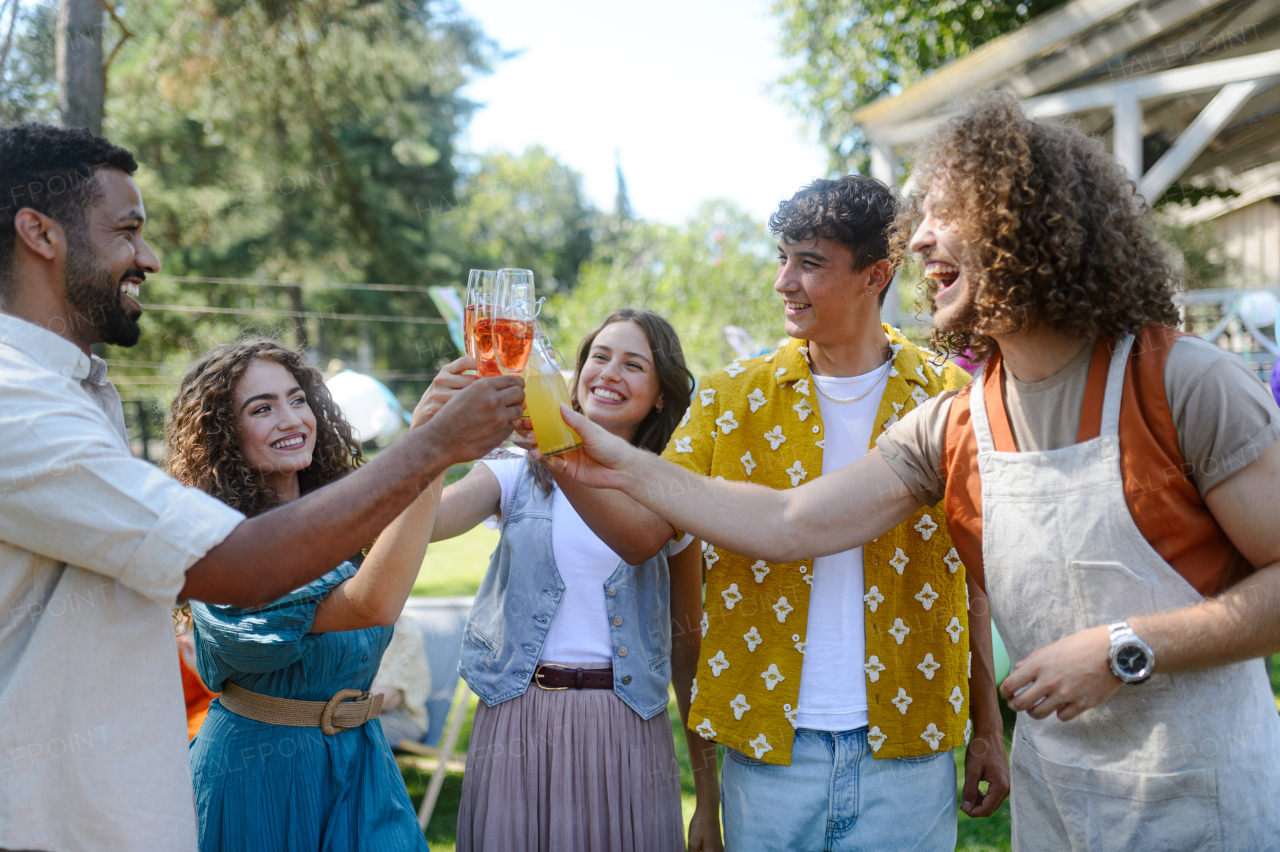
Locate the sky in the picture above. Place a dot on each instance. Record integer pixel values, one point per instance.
(681, 93)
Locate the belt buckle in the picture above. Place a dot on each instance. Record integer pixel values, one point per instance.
(331, 706)
(537, 676)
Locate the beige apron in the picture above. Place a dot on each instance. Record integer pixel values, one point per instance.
(1185, 761)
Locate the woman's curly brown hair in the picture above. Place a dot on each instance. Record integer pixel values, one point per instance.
(204, 449)
(1058, 232)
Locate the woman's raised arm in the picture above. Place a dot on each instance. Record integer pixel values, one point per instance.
(375, 596)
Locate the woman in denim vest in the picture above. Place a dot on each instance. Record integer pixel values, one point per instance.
(569, 646)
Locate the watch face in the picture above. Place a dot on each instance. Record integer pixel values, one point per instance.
(1131, 660)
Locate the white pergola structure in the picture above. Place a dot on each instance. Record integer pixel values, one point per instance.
(1186, 91)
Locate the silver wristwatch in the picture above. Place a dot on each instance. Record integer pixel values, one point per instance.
(1131, 659)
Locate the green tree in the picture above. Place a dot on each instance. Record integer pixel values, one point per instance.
(295, 141)
(848, 53)
(28, 84)
(526, 211)
(715, 270)
(282, 140)
(1203, 259)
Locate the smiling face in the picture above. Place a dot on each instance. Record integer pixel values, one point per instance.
(275, 425)
(944, 252)
(107, 260)
(822, 294)
(618, 384)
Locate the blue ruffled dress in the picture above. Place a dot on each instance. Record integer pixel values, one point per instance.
(269, 788)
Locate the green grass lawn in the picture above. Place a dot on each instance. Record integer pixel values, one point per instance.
(454, 568)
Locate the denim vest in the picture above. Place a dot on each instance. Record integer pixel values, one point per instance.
(521, 593)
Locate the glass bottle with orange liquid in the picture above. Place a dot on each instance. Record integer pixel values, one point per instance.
(544, 391)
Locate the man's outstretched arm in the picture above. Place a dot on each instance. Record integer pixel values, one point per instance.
(631, 530)
(273, 553)
(831, 514)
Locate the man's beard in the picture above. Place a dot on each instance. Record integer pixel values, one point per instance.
(94, 293)
(964, 315)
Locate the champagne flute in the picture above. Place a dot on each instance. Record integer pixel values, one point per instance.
(480, 311)
(513, 325)
(504, 335)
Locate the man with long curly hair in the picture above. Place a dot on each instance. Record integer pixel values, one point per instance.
(1110, 481)
(96, 546)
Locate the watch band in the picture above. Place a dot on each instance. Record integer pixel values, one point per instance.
(1122, 636)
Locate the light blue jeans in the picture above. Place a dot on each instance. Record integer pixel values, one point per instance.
(835, 796)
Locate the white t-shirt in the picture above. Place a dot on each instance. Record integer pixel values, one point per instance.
(579, 633)
(833, 695)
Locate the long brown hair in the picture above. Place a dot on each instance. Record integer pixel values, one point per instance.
(203, 445)
(1059, 234)
(675, 382)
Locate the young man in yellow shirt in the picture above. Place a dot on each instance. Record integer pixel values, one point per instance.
(839, 684)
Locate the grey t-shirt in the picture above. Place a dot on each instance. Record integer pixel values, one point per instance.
(1225, 418)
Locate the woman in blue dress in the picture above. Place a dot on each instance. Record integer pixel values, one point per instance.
(254, 425)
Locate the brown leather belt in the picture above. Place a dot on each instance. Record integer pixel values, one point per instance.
(553, 676)
(336, 714)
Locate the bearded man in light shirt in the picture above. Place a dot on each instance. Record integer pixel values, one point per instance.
(96, 546)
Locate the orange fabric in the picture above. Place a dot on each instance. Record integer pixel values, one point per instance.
(993, 388)
(1094, 391)
(197, 696)
(963, 498)
(1162, 499)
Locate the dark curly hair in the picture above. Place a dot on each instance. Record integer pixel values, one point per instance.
(50, 170)
(204, 449)
(1059, 235)
(854, 211)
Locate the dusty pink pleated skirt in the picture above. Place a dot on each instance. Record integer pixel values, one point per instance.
(570, 771)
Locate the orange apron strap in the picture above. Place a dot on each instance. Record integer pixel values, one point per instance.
(1094, 391)
(997, 417)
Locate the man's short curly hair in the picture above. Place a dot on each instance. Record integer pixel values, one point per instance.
(50, 169)
(854, 211)
(1058, 232)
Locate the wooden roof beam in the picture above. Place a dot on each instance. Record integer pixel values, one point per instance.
(994, 58)
(1193, 78)
(1135, 29)
(1197, 137)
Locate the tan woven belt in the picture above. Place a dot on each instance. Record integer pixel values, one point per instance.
(336, 714)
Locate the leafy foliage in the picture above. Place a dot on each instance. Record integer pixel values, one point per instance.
(28, 87)
(526, 211)
(848, 53)
(716, 270)
(1198, 252)
(310, 142)
(301, 142)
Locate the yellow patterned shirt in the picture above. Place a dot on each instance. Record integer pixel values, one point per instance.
(758, 420)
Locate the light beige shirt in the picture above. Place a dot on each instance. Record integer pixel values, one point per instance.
(94, 547)
(404, 666)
